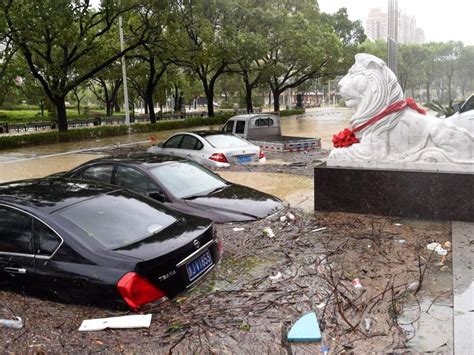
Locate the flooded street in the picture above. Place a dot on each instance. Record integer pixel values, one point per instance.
(263, 284)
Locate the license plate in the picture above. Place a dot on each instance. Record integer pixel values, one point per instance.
(244, 158)
(199, 265)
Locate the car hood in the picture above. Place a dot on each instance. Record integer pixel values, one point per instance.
(237, 203)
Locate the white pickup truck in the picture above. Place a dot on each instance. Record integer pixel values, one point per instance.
(264, 130)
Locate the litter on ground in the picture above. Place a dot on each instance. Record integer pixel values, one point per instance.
(133, 321)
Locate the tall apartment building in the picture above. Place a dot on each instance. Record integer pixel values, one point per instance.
(376, 27)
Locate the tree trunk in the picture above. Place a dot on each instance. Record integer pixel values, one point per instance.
(276, 100)
(41, 105)
(209, 90)
(146, 107)
(151, 108)
(176, 108)
(60, 104)
(108, 108)
(116, 105)
(248, 98)
(428, 92)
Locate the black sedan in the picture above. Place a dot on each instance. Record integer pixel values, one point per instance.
(93, 243)
(182, 184)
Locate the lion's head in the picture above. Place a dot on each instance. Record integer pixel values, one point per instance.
(369, 86)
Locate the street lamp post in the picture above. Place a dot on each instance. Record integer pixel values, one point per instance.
(392, 38)
(124, 74)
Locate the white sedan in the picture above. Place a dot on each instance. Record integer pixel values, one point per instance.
(211, 148)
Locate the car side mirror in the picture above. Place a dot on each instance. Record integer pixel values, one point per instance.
(160, 145)
(456, 107)
(158, 195)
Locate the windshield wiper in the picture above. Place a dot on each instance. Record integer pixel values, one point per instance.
(217, 189)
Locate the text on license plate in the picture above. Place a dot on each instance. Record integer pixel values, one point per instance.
(244, 158)
(199, 265)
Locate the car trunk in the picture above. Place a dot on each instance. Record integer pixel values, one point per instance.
(175, 258)
(242, 155)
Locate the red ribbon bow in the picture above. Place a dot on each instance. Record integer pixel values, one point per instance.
(347, 137)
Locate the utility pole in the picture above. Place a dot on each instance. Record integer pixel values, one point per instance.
(392, 38)
(124, 74)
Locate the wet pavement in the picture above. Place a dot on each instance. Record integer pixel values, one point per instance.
(463, 287)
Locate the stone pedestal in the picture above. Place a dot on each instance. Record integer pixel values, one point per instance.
(397, 193)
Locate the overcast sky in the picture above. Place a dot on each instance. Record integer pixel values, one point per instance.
(441, 20)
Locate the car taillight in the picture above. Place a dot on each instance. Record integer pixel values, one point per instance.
(137, 291)
(219, 246)
(261, 155)
(219, 157)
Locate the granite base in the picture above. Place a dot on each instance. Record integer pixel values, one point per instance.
(397, 193)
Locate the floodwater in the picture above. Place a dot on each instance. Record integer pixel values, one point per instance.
(296, 190)
(39, 161)
(320, 122)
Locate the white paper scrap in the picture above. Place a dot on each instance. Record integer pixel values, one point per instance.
(133, 321)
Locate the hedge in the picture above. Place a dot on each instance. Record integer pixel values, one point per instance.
(296, 111)
(80, 134)
(73, 135)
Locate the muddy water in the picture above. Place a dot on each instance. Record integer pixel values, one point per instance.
(40, 167)
(320, 122)
(297, 190)
(23, 163)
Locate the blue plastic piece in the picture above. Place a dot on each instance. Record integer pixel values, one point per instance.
(305, 329)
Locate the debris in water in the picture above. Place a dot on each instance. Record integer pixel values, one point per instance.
(318, 229)
(321, 305)
(267, 231)
(133, 321)
(305, 329)
(356, 283)
(291, 216)
(324, 350)
(275, 277)
(10, 323)
(283, 218)
(367, 323)
(236, 229)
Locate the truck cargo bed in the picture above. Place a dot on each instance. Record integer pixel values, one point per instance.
(289, 144)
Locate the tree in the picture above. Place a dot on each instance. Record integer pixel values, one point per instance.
(66, 43)
(410, 66)
(302, 47)
(109, 82)
(465, 70)
(377, 48)
(203, 41)
(350, 33)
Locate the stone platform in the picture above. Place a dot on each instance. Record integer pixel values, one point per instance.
(397, 193)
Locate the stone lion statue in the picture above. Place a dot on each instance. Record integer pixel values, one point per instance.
(406, 135)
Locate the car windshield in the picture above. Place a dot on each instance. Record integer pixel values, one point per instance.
(115, 220)
(225, 141)
(186, 179)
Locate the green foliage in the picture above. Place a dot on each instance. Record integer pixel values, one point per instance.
(73, 135)
(441, 109)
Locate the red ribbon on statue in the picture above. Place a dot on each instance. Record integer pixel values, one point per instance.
(347, 137)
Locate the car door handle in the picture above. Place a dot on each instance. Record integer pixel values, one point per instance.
(15, 270)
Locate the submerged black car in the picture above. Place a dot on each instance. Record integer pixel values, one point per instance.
(182, 184)
(92, 243)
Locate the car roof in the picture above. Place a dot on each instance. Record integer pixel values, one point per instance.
(247, 117)
(136, 158)
(51, 194)
(204, 133)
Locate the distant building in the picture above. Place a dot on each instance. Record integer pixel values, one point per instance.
(376, 27)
